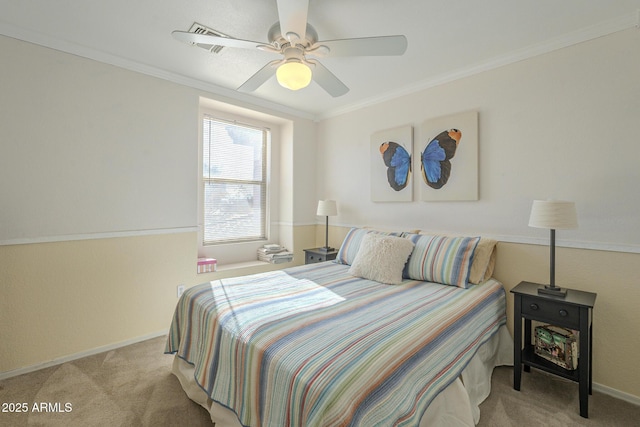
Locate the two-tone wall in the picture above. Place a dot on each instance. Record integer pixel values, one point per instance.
(98, 202)
(562, 125)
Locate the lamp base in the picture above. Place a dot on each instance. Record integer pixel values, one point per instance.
(553, 290)
(325, 249)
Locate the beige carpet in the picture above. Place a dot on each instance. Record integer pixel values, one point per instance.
(130, 386)
(133, 386)
(550, 401)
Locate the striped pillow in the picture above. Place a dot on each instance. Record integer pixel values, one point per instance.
(441, 259)
(352, 241)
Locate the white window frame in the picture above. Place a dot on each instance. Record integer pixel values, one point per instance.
(259, 182)
(241, 250)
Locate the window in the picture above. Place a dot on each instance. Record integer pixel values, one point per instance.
(234, 179)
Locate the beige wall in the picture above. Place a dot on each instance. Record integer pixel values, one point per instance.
(613, 276)
(67, 298)
(63, 298)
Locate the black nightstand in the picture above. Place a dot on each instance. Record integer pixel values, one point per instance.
(575, 311)
(314, 255)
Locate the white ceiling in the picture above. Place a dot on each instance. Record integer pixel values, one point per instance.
(447, 39)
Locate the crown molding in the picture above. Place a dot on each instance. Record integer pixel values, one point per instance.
(631, 20)
(127, 64)
(604, 28)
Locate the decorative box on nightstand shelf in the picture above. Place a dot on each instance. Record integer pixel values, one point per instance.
(558, 345)
(311, 256)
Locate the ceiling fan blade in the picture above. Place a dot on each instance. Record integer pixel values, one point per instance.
(327, 80)
(293, 18)
(259, 78)
(187, 37)
(366, 46)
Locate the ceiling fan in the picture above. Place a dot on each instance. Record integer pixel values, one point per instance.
(296, 40)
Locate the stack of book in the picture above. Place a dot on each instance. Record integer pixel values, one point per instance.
(275, 254)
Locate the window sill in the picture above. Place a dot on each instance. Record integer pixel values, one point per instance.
(244, 268)
(240, 265)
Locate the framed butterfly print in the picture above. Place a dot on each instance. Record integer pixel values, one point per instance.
(391, 165)
(447, 161)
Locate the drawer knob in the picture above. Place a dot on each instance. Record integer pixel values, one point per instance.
(563, 313)
(533, 306)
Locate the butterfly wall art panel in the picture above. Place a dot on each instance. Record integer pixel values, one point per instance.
(391, 165)
(447, 161)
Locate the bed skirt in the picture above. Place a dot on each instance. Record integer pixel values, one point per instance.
(457, 405)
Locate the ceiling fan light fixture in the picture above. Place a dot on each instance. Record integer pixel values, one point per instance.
(295, 40)
(294, 75)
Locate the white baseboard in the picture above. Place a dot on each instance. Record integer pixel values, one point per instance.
(617, 394)
(71, 357)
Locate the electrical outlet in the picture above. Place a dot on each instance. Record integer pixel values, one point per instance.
(180, 290)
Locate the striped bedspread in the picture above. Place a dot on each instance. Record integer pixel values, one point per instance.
(315, 346)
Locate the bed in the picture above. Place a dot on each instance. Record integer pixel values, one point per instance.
(366, 340)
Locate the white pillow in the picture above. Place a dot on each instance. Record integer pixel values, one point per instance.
(382, 258)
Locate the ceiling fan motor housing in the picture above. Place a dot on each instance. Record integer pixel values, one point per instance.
(275, 36)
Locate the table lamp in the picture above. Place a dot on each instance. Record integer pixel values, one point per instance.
(327, 208)
(554, 215)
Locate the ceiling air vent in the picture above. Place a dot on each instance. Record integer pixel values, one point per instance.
(201, 29)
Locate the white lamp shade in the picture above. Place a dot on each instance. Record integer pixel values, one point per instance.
(327, 208)
(553, 214)
(293, 75)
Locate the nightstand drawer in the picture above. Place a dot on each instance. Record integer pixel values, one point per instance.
(311, 256)
(556, 312)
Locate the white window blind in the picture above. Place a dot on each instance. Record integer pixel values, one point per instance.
(234, 173)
